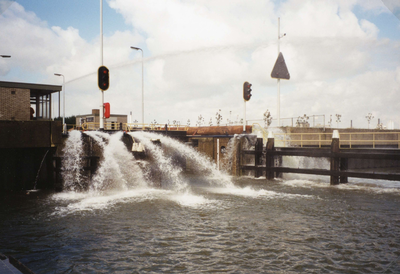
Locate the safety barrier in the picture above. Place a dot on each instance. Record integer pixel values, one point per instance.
(160, 127)
(96, 126)
(133, 126)
(347, 139)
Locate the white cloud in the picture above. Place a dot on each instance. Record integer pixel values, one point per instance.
(197, 55)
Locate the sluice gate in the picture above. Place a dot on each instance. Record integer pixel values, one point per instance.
(343, 162)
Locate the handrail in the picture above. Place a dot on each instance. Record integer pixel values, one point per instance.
(264, 133)
(131, 126)
(346, 138)
(95, 125)
(161, 127)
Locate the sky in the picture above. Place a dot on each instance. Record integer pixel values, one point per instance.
(343, 57)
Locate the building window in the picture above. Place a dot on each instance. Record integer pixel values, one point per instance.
(13, 92)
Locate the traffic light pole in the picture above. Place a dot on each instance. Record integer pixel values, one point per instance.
(244, 117)
(101, 114)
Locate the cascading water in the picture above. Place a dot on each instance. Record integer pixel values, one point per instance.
(72, 169)
(118, 170)
(120, 176)
(170, 173)
(200, 162)
(231, 149)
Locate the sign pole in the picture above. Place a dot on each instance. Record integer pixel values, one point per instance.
(280, 71)
(279, 80)
(244, 117)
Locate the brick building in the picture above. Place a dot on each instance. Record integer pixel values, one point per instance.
(92, 121)
(28, 142)
(18, 100)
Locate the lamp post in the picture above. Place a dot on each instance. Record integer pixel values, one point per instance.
(5, 56)
(135, 48)
(64, 126)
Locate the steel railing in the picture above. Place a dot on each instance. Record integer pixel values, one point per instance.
(347, 139)
(131, 126)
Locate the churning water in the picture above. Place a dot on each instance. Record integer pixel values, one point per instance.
(204, 221)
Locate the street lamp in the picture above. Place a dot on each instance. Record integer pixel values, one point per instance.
(64, 125)
(135, 48)
(5, 56)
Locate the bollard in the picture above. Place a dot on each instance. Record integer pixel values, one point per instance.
(269, 158)
(258, 157)
(335, 148)
(344, 165)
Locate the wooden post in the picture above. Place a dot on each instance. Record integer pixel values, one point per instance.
(236, 159)
(269, 159)
(241, 160)
(335, 148)
(258, 157)
(344, 165)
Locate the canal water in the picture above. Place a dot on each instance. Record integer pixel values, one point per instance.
(204, 221)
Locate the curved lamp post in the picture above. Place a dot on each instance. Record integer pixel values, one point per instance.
(135, 48)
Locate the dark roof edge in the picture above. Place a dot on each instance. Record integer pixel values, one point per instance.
(30, 86)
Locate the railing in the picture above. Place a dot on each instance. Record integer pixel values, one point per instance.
(95, 126)
(131, 126)
(161, 127)
(347, 139)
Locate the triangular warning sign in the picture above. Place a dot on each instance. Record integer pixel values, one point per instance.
(280, 70)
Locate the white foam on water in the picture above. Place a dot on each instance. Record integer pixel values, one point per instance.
(190, 200)
(375, 187)
(87, 202)
(76, 202)
(253, 193)
(379, 187)
(304, 183)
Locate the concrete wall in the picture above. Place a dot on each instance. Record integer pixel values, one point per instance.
(30, 134)
(23, 147)
(14, 104)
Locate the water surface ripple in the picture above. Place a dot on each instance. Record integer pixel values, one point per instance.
(257, 227)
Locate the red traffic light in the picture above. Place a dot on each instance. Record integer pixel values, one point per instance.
(103, 78)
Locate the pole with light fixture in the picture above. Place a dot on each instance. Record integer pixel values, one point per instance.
(135, 48)
(101, 114)
(5, 56)
(64, 125)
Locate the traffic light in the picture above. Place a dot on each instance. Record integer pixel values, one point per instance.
(103, 78)
(246, 91)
